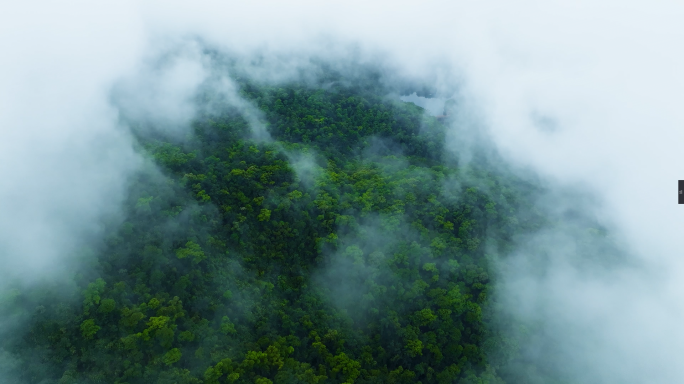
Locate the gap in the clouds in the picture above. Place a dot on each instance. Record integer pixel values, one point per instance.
(300, 216)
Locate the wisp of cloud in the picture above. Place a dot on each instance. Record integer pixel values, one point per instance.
(584, 93)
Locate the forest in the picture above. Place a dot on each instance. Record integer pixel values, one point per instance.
(349, 246)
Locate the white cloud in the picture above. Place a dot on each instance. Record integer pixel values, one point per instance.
(606, 75)
(63, 160)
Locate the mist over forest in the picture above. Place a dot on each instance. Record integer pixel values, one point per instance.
(224, 193)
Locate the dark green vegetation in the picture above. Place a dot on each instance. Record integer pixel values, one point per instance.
(350, 249)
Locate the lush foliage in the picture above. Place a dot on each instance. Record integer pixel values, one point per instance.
(348, 249)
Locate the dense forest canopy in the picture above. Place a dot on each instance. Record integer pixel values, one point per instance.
(348, 247)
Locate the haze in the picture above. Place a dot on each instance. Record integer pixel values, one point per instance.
(585, 93)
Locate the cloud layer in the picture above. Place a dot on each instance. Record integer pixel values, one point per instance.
(586, 93)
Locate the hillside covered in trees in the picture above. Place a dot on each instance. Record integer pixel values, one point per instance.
(349, 247)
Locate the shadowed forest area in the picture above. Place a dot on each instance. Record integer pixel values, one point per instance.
(348, 248)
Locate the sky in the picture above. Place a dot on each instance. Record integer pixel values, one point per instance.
(585, 93)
